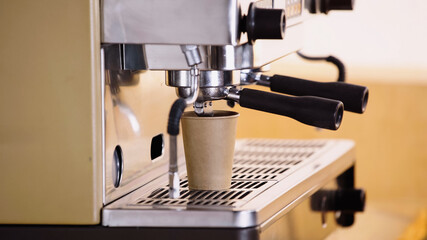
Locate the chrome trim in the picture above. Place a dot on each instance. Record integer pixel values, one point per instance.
(187, 218)
(102, 60)
(226, 57)
(201, 22)
(207, 78)
(222, 46)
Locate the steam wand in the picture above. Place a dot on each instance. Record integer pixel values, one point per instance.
(193, 58)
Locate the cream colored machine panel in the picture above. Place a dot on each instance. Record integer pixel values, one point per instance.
(50, 102)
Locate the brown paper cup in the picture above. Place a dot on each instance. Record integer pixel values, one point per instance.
(209, 149)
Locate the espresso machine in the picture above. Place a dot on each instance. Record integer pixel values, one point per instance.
(151, 60)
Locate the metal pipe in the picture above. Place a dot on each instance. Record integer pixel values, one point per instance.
(195, 78)
(173, 168)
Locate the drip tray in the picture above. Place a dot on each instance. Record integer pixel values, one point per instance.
(270, 177)
(239, 193)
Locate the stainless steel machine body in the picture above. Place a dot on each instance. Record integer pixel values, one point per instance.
(225, 48)
(162, 26)
(109, 121)
(148, 35)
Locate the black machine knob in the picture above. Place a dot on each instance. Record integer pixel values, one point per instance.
(344, 201)
(345, 219)
(264, 23)
(327, 5)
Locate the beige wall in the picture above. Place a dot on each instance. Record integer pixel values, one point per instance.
(377, 34)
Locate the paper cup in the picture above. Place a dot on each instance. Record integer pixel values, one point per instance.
(209, 149)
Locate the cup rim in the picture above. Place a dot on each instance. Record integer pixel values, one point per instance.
(226, 114)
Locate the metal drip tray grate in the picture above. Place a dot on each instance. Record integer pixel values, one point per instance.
(268, 176)
(272, 159)
(257, 173)
(239, 193)
(257, 166)
(285, 144)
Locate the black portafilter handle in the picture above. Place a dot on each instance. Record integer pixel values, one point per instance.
(354, 97)
(314, 111)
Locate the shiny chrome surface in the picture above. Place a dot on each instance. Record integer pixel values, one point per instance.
(213, 84)
(207, 78)
(150, 32)
(201, 22)
(227, 57)
(136, 108)
(270, 178)
(192, 54)
(203, 108)
(195, 85)
(174, 190)
(233, 94)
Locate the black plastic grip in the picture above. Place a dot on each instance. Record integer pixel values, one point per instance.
(314, 111)
(175, 114)
(346, 200)
(354, 97)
